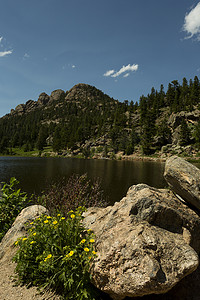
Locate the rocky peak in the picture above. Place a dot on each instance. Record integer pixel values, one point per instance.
(57, 95)
(82, 92)
(19, 109)
(43, 99)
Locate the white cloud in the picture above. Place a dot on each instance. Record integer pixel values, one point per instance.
(192, 23)
(73, 66)
(128, 68)
(4, 53)
(108, 73)
(125, 69)
(126, 75)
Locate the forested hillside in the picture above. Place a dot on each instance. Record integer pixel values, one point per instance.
(86, 121)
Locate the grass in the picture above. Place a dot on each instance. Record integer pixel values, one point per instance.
(35, 152)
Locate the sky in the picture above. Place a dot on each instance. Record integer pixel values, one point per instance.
(122, 47)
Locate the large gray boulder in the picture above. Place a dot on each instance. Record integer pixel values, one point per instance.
(145, 243)
(184, 179)
(18, 228)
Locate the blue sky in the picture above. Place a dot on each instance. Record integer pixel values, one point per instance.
(123, 47)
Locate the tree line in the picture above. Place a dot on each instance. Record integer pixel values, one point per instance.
(68, 124)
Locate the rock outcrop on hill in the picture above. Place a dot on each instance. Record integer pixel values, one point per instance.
(147, 244)
(57, 95)
(79, 92)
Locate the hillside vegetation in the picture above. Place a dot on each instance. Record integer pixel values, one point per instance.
(86, 122)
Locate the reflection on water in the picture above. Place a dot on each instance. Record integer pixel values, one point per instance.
(35, 174)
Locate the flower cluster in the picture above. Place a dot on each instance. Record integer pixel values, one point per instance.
(55, 250)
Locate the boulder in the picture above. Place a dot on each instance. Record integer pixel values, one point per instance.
(145, 243)
(57, 95)
(18, 230)
(184, 179)
(43, 99)
(30, 105)
(19, 109)
(187, 289)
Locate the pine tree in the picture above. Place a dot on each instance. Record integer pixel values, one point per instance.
(184, 133)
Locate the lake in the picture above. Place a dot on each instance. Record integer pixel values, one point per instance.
(37, 173)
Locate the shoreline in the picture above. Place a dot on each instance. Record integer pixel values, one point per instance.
(118, 157)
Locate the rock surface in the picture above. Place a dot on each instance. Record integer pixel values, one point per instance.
(144, 243)
(57, 95)
(43, 99)
(18, 228)
(184, 179)
(187, 289)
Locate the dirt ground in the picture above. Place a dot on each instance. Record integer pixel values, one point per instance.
(9, 290)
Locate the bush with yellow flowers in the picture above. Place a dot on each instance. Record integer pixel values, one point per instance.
(57, 254)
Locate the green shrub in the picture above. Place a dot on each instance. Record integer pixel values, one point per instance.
(57, 254)
(12, 201)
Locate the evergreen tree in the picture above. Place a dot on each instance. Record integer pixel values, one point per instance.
(195, 91)
(41, 140)
(184, 133)
(164, 133)
(197, 133)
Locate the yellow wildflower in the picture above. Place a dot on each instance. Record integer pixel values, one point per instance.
(46, 221)
(93, 252)
(48, 217)
(92, 240)
(71, 211)
(16, 243)
(48, 257)
(32, 242)
(69, 254)
(72, 216)
(24, 239)
(34, 233)
(83, 241)
(55, 222)
(89, 230)
(58, 215)
(86, 249)
(63, 218)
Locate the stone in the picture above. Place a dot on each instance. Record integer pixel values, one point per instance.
(57, 95)
(184, 180)
(146, 243)
(165, 148)
(176, 118)
(43, 99)
(19, 109)
(18, 230)
(187, 289)
(30, 105)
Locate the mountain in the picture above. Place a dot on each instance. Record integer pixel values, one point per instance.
(84, 121)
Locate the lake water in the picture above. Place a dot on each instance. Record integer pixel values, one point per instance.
(35, 174)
